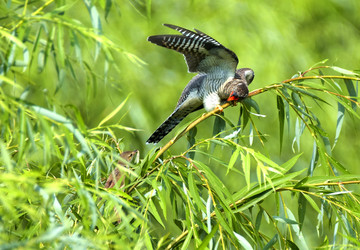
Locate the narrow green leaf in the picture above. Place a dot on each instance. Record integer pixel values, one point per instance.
(281, 113)
(246, 164)
(194, 192)
(77, 48)
(271, 242)
(12, 37)
(219, 125)
(335, 233)
(251, 135)
(191, 141)
(344, 71)
(253, 200)
(108, 5)
(259, 218)
(325, 179)
(233, 159)
(312, 202)
(154, 211)
(9, 81)
(243, 242)
(162, 200)
(225, 225)
(336, 164)
(276, 168)
(285, 220)
(290, 163)
(41, 61)
(339, 122)
(5, 157)
(114, 112)
(96, 23)
(22, 142)
(297, 230)
(349, 228)
(67, 123)
(188, 239)
(287, 114)
(216, 183)
(257, 189)
(298, 132)
(285, 167)
(302, 201)
(291, 245)
(314, 159)
(245, 115)
(296, 99)
(208, 237)
(352, 92)
(252, 103)
(51, 234)
(208, 213)
(298, 90)
(60, 46)
(346, 105)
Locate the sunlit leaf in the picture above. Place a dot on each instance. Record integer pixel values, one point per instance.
(343, 71)
(233, 159)
(339, 123)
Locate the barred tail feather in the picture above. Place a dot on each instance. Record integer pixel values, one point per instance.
(166, 127)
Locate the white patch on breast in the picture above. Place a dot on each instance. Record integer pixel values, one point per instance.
(211, 101)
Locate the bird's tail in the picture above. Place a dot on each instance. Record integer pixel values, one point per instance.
(169, 124)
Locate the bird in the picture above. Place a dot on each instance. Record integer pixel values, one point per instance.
(217, 82)
(116, 174)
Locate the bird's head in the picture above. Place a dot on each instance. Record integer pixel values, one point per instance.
(246, 74)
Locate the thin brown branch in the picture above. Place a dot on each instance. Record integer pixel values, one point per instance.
(311, 69)
(252, 93)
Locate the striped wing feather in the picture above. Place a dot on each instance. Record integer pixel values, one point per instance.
(200, 50)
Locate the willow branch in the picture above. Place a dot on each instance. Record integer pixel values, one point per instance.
(279, 189)
(252, 93)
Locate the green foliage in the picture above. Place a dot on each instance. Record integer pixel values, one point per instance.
(282, 173)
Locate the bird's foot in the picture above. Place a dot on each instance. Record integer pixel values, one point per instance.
(233, 98)
(218, 107)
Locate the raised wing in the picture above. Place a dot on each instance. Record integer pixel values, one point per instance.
(202, 52)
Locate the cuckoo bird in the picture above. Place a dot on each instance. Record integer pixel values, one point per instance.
(218, 81)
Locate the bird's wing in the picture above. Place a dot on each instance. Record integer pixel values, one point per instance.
(202, 53)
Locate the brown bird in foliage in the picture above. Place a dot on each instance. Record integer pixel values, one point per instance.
(116, 174)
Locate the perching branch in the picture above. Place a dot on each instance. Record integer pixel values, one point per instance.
(252, 93)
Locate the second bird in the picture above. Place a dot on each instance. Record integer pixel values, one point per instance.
(218, 80)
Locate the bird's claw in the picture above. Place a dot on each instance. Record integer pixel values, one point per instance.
(218, 107)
